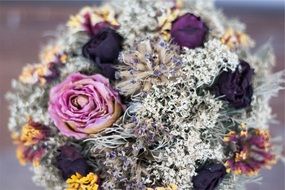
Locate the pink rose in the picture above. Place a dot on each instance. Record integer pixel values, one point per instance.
(83, 105)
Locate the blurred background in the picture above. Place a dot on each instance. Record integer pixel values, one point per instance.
(23, 25)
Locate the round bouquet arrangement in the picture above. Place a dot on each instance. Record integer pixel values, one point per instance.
(143, 94)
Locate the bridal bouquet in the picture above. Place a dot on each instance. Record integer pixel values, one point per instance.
(144, 94)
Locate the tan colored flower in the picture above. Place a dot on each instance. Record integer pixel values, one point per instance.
(234, 39)
(79, 182)
(53, 53)
(169, 187)
(165, 22)
(32, 74)
(167, 17)
(91, 16)
(152, 61)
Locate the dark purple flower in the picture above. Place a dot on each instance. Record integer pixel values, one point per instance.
(103, 49)
(236, 87)
(189, 31)
(209, 176)
(69, 161)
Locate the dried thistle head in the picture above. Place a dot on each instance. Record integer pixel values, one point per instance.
(150, 62)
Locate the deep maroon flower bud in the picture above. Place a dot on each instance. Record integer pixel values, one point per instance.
(209, 177)
(70, 161)
(103, 49)
(189, 31)
(236, 87)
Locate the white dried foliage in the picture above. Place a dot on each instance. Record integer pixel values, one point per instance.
(47, 176)
(119, 136)
(266, 86)
(263, 60)
(26, 102)
(77, 64)
(75, 41)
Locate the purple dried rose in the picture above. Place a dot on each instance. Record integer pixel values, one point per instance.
(69, 161)
(188, 31)
(83, 105)
(103, 49)
(236, 87)
(209, 176)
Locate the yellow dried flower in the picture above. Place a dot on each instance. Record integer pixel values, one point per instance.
(30, 134)
(79, 182)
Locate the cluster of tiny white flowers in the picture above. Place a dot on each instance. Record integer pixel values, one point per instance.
(174, 105)
(202, 65)
(179, 160)
(179, 106)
